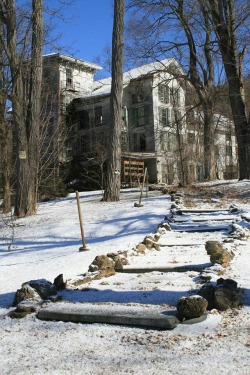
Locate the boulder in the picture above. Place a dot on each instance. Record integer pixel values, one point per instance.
(60, 283)
(218, 254)
(104, 265)
(224, 295)
(43, 287)
(149, 241)
(191, 307)
(207, 292)
(26, 293)
(22, 310)
(141, 248)
(227, 295)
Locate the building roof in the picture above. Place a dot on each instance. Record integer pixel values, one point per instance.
(103, 86)
(72, 60)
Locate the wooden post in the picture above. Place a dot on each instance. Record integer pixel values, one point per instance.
(83, 247)
(142, 187)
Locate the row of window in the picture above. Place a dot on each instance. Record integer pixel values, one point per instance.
(139, 117)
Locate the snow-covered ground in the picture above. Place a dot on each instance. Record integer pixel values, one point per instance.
(47, 244)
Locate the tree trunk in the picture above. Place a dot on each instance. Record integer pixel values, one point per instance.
(113, 182)
(28, 124)
(223, 18)
(209, 150)
(6, 165)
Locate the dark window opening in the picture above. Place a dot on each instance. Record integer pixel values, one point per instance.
(69, 77)
(83, 119)
(98, 116)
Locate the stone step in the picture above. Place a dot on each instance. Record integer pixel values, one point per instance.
(155, 317)
(201, 211)
(195, 268)
(179, 219)
(195, 227)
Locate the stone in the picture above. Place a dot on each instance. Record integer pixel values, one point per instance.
(22, 310)
(225, 298)
(224, 295)
(166, 226)
(149, 241)
(60, 283)
(43, 287)
(227, 295)
(141, 248)
(26, 293)
(218, 254)
(118, 263)
(192, 307)
(157, 236)
(156, 246)
(207, 292)
(104, 265)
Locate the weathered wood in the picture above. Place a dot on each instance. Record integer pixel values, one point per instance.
(110, 314)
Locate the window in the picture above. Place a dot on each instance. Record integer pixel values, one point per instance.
(163, 93)
(175, 97)
(83, 119)
(139, 98)
(140, 116)
(228, 137)
(69, 77)
(165, 116)
(98, 116)
(171, 142)
(139, 142)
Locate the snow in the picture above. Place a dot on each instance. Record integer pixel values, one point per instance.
(47, 244)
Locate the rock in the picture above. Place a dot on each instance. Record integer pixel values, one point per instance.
(218, 254)
(60, 283)
(157, 236)
(118, 263)
(225, 295)
(149, 241)
(43, 287)
(22, 310)
(156, 246)
(104, 265)
(166, 226)
(212, 246)
(141, 248)
(207, 292)
(26, 293)
(226, 299)
(192, 307)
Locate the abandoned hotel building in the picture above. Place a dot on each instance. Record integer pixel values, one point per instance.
(156, 131)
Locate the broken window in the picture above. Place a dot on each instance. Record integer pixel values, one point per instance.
(98, 116)
(140, 116)
(69, 77)
(165, 116)
(83, 120)
(163, 93)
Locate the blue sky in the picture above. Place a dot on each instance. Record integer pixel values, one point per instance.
(88, 28)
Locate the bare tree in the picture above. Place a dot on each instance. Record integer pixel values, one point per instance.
(113, 183)
(26, 80)
(226, 25)
(181, 29)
